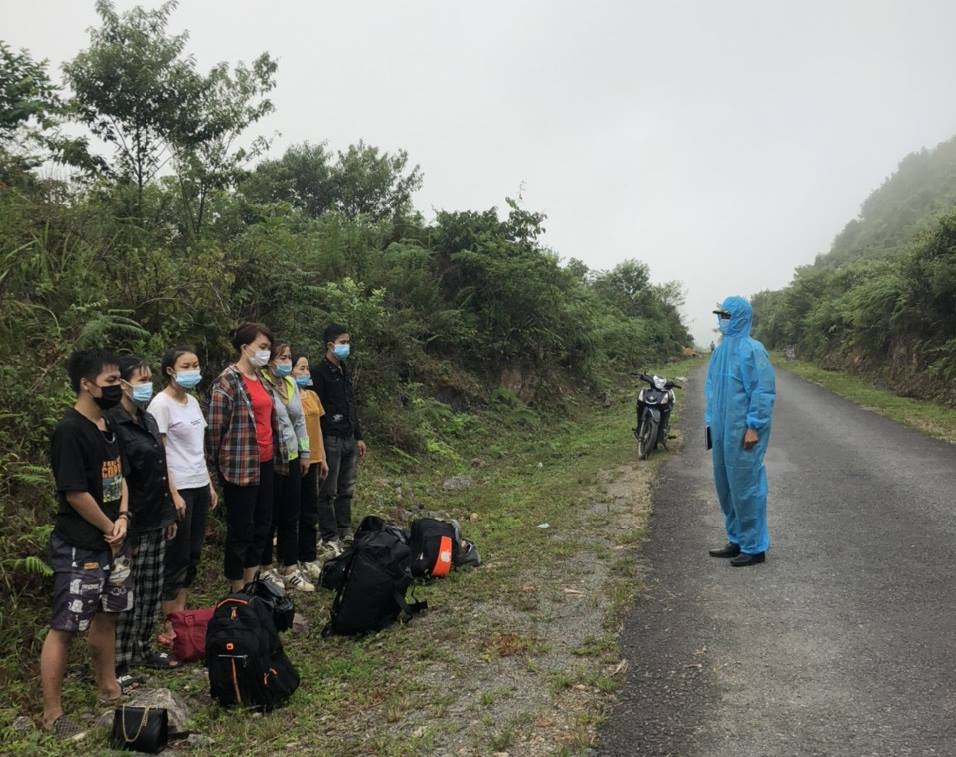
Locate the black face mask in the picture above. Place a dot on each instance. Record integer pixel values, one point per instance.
(111, 397)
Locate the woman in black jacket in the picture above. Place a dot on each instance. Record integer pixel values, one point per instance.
(152, 518)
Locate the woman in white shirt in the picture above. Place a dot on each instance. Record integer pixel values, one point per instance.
(183, 429)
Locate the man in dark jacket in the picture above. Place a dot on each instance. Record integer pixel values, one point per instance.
(342, 433)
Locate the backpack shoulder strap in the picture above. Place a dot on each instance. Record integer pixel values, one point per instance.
(329, 628)
(408, 610)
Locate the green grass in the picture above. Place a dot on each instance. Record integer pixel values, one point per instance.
(929, 417)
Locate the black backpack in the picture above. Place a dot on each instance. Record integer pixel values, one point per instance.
(333, 570)
(246, 662)
(371, 595)
(434, 546)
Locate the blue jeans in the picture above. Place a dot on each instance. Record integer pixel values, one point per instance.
(335, 494)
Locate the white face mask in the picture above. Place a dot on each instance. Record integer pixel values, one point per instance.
(260, 359)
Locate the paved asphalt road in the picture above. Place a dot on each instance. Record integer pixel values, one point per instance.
(844, 641)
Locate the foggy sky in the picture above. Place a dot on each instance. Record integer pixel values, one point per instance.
(723, 144)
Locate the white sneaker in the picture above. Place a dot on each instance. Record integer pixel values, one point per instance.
(272, 576)
(312, 570)
(295, 581)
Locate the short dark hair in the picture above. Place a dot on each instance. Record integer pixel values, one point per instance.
(332, 332)
(88, 364)
(172, 355)
(245, 333)
(129, 364)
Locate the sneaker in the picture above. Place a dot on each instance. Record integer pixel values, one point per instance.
(295, 581)
(346, 536)
(119, 570)
(272, 576)
(312, 570)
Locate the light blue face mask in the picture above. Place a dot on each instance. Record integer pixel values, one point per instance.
(188, 379)
(283, 369)
(142, 393)
(723, 324)
(303, 380)
(341, 351)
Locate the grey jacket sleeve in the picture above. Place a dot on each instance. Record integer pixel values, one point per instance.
(297, 416)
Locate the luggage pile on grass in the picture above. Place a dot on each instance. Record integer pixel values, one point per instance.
(242, 650)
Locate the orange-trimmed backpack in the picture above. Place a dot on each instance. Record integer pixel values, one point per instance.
(246, 662)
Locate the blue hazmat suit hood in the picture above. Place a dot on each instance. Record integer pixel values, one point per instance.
(740, 391)
(741, 316)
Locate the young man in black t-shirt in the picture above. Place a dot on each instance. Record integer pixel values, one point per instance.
(90, 528)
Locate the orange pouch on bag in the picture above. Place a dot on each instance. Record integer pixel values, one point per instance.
(442, 565)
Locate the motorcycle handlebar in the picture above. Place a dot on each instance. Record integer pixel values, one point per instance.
(650, 380)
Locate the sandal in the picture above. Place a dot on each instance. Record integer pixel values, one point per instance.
(161, 661)
(66, 728)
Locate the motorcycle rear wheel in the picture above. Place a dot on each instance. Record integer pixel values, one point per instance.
(647, 439)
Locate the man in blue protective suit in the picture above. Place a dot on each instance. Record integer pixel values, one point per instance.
(740, 393)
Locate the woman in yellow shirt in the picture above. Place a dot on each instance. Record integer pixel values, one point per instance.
(312, 551)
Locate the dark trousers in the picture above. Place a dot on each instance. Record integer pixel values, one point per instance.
(309, 514)
(335, 494)
(285, 516)
(183, 552)
(248, 522)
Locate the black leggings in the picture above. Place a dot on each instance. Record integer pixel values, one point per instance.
(285, 517)
(309, 514)
(248, 522)
(183, 552)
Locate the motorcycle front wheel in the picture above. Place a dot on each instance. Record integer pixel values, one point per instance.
(647, 438)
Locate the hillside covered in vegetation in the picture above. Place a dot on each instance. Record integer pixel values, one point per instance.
(882, 302)
(169, 222)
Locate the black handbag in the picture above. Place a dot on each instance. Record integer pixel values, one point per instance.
(140, 729)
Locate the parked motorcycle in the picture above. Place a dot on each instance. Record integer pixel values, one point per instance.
(654, 404)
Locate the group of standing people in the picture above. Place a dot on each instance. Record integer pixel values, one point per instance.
(137, 474)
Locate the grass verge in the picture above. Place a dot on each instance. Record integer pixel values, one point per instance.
(519, 655)
(931, 418)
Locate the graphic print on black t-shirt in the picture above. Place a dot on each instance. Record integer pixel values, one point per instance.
(112, 476)
(85, 459)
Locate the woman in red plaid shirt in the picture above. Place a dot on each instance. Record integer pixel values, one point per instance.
(245, 448)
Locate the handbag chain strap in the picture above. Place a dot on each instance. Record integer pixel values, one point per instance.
(142, 724)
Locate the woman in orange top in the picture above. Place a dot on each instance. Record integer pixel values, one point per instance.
(311, 550)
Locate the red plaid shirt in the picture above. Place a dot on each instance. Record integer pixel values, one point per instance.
(231, 438)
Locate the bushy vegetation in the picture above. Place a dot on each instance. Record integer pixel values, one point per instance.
(180, 228)
(883, 302)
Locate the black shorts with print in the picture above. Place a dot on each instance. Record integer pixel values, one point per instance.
(81, 585)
